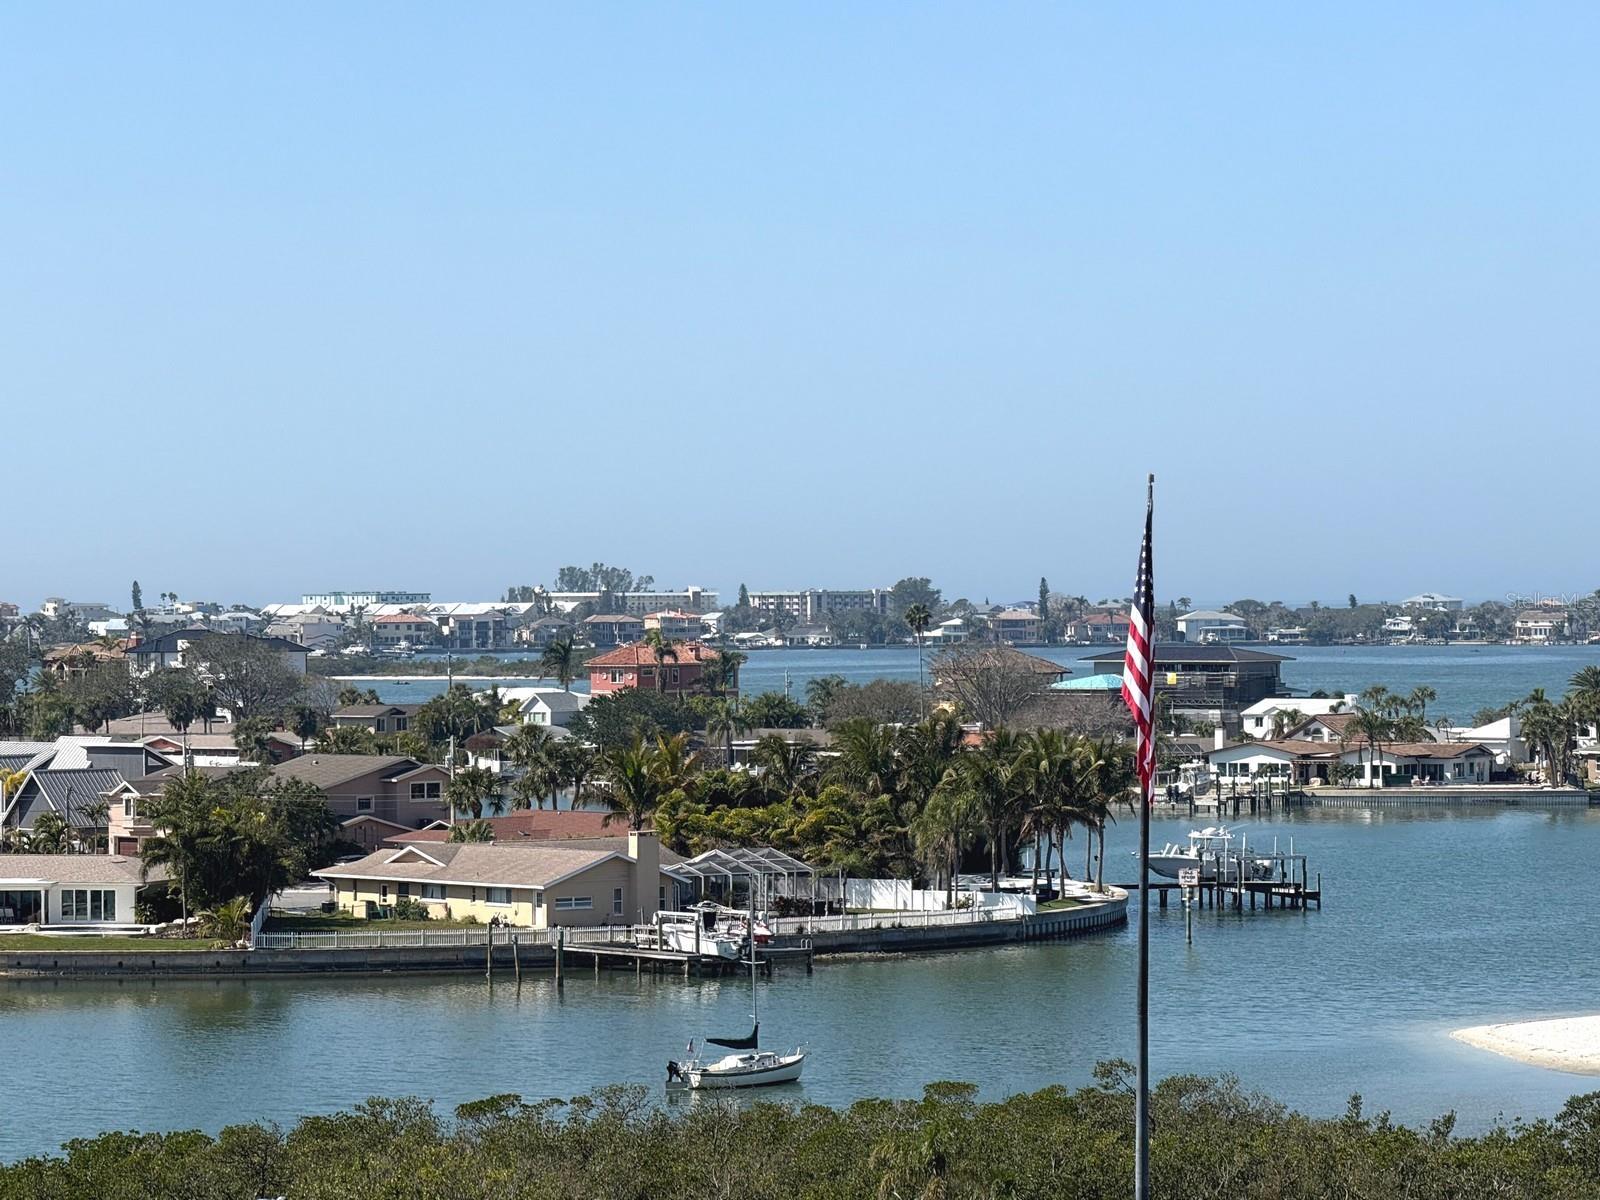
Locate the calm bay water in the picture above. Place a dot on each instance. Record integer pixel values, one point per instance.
(1467, 678)
(1494, 923)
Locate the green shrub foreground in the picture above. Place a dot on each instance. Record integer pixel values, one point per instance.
(1212, 1139)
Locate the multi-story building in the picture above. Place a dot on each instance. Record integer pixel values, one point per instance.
(176, 650)
(1434, 601)
(1016, 626)
(78, 610)
(1213, 682)
(675, 626)
(341, 601)
(1540, 625)
(1208, 625)
(408, 629)
(1094, 627)
(815, 605)
(613, 629)
(638, 604)
(634, 666)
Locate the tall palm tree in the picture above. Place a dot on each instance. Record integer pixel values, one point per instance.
(531, 750)
(944, 828)
(1585, 695)
(726, 720)
(559, 661)
(470, 789)
(1374, 728)
(992, 776)
(93, 819)
(787, 766)
(918, 617)
(633, 788)
(865, 757)
(579, 761)
(661, 649)
(1060, 769)
(1421, 696)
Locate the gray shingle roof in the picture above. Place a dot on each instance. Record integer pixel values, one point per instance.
(330, 770)
(475, 864)
(73, 868)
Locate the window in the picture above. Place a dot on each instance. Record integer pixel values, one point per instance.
(616, 676)
(571, 903)
(127, 807)
(91, 904)
(364, 804)
(383, 893)
(433, 891)
(426, 791)
(403, 889)
(616, 901)
(499, 895)
(400, 724)
(378, 726)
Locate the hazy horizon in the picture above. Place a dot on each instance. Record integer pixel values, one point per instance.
(355, 295)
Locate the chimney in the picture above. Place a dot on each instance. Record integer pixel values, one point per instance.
(1219, 737)
(645, 851)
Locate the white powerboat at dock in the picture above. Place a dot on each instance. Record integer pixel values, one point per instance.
(1211, 852)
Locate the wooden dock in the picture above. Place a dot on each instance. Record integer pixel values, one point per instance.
(1269, 893)
(619, 956)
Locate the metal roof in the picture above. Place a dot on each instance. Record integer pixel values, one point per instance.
(742, 862)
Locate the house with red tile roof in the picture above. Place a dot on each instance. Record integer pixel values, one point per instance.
(681, 671)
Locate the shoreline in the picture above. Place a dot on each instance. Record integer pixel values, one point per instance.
(1570, 1044)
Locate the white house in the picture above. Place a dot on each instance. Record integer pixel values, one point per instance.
(947, 633)
(1540, 625)
(1503, 737)
(1399, 627)
(1310, 763)
(550, 707)
(69, 889)
(1434, 602)
(1259, 718)
(1208, 625)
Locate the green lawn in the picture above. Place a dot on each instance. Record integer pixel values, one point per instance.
(153, 945)
(1061, 902)
(344, 923)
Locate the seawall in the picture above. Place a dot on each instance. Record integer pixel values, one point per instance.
(886, 936)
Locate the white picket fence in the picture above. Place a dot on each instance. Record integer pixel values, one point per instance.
(908, 919)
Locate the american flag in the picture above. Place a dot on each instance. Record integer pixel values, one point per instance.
(1138, 665)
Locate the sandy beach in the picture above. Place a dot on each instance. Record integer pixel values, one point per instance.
(1564, 1044)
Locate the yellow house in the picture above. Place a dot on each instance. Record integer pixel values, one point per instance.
(532, 886)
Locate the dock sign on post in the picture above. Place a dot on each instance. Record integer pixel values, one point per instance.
(1189, 877)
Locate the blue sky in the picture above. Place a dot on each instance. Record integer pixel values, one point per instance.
(442, 297)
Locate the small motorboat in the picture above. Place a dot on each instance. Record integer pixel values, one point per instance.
(1209, 851)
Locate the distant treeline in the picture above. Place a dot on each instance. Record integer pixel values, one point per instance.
(1212, 1141)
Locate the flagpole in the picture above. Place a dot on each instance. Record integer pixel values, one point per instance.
(1141, 1121)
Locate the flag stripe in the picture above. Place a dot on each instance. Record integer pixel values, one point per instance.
(1138, 666)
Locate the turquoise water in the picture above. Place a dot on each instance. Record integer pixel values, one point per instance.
(1467, 678)
(1433, 920)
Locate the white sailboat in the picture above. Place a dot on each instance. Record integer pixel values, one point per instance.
(754, 1067)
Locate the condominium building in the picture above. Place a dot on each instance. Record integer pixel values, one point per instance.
(813, 605)
(341, 601)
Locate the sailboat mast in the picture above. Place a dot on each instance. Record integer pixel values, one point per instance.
(755, 1003)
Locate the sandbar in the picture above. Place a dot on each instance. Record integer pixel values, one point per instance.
(1563, 1044)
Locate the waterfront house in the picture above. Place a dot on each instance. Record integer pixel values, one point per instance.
(1289, 635)
(1205, 625)
(1212, 682)
(1433, 602)
(391, 786)
(634, 666)
(175, 649)
(1322, 727)
(75, 794)
(473, 626)
(1261, 719)
(1312, 763)
(403, 629)
(1540, 626)
(1399, 628)
(1016, 627)
(604, 630)
(947, 633)
(315, 630)
(535, 885)
(1094, 628)
(70, 889)
(532, 824)
(550, 707)
(541, 631)
(810, 636)
(378, 718)
(674, 624)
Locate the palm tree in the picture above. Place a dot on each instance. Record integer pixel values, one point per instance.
(787, 767)
(632, 786)
(470, 789)
(182, 814)
(992, 777)
(578, 761)
(661, 649)
(51, 834)
(1421, 696)
(1371, 725)
(531, 750)
(1060, 769)
(866, 757)
(559, 661)
(726, 720)
(1585, 695)
(471, 831)
(94, 817)
(1286, 719)
(942, 830)
(919, 618)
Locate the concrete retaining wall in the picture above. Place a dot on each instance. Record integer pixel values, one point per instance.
(1396, 797)
(458, 960)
